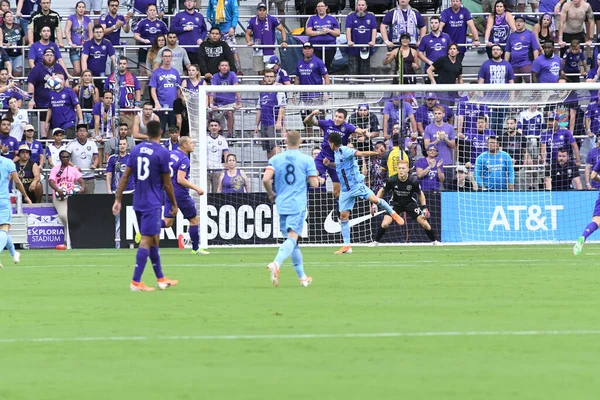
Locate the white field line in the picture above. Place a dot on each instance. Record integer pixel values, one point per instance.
(203, 263)
(302, 336)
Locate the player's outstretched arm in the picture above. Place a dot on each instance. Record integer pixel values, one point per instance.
(187, 184)
(313, 181)
(310, 118)
(20, 187)
(366, 154)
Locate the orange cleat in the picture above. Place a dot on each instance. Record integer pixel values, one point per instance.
(344, 250)
(397, 218)
(306, 281)
(140, 287)
(165, 282)
(272, 267)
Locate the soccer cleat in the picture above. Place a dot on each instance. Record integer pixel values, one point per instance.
(165, 282)
(17, 257)
(578, 246)
(138, 238)
(374, 243)
(344, 250)
(436, 243)
(274, 270)
(1, 266)
(397, 218)
(140, 287)
(306, 281)
(200, 252)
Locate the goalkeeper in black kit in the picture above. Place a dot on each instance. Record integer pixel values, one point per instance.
(404, 188)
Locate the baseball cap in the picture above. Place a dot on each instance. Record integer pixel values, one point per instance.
(273, 61)
(57, 131)
(307, 45)
(29, 127)
(364, 105)
(24, 147)
(432, 146)
(405, 35)
(521, 17)
(64, 151)
(261, 5)
(365, 52)
(49, 49)
(462, 168)
(430, 95)
(79, 126)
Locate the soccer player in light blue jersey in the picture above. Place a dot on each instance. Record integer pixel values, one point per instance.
(592, 226)
(8, 172)
(494, 169)
(290, 171)
(353, 187)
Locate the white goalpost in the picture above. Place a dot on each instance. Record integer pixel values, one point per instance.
(529, 209)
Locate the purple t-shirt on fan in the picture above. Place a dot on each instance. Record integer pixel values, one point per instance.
(496, 72)
(361, 29)
(12, 143)
(311, 72)
(429, 181)
(97, 54)
(149, 161)
(151, 29)
(561, 139)
(519, 44)
(37, 77)
(115, 36)
(194, 20)
(478, 142)
(572, 61)
(317, 24)
(79, 30)
(593, 113)
(165, 82)
(435, 47)
(433, 131)
(229, 79)
(263, 32)
(328, 126)
(548, 69)
(592, 158)
(36, 51)
(424, 115)
(63, 108)
(470, 112)
(393, 112)
(455, 25)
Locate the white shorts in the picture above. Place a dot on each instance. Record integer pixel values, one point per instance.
(230, 40)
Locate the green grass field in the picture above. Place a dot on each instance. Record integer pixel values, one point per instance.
(493, 322)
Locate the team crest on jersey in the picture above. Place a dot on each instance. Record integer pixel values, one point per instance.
(311, 65)
(461, 16)
(343, 129)
(409, 187)
(17, 32)
(103, 47)
(89, 148)
(443, 40)
(63, 96)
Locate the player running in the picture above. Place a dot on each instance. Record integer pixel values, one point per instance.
(290, 170)
(352, 186)
(404, 188)
(339, 125)
(180, 178)
(8, 172)
(149, 164)
(592, 226)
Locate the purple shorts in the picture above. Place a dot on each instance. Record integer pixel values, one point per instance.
(185, 204)
(149, 222)
(323, 170)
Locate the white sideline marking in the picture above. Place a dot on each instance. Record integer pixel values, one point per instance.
(235, 264)
(303, 336)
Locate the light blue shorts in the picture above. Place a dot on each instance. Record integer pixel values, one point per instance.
(292, 222)
(5, 214)
(360, 191)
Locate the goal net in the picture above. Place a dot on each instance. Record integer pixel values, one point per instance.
(500, 177)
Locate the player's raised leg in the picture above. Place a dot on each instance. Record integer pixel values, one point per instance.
(589, 229)
(385, 205)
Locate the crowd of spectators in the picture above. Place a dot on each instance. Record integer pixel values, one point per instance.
(102, 101)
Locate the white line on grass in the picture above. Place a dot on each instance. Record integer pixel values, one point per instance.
(302, 336)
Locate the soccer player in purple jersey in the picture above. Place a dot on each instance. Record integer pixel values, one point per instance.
(337, 124)
(149, 164)
(180, 177)
(592, 226)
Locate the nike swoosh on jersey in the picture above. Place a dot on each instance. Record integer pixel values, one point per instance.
(332, 226)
